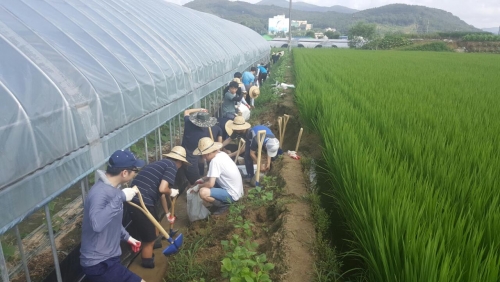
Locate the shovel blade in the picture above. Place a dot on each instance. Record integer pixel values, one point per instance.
(174, 246)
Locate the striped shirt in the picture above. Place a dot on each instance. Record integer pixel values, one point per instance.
(149, 178)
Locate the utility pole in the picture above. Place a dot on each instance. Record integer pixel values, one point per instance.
(290, 27)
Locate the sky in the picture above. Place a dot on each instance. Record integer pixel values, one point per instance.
(479, 13)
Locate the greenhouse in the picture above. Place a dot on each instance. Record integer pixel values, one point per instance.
(81, 79)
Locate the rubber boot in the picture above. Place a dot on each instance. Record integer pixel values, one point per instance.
(157, 244)
(220, 207)
(148, 262)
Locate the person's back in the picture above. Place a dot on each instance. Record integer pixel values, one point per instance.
(227, 174)
(101, 241)
(149, 178)
(247, 78)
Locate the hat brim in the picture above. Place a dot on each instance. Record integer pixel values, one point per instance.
(272, 154)
(209, 123)
(175, 156)
(230, 129)
(140, 163)
(215, 146)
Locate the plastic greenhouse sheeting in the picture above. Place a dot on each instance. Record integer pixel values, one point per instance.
(81, 79)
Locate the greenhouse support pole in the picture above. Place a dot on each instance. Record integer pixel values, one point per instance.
(159, 141)
(170, 129)
(3, 266)
(180, 129)
(82, 186)
(156, 146)
(23, 256)
(53, 243)
(146, 149)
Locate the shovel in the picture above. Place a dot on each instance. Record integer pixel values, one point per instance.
(176, 244)
(261, 136)
(280, 122)
(285, 122)
(172, 232)
(240, 145)
(211, 135)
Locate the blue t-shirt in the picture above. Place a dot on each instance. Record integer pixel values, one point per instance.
(247, 78)
(252, 136)
(149, 178)
(262, 69)
(193, 134)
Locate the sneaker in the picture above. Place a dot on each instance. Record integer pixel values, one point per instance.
(247, 179)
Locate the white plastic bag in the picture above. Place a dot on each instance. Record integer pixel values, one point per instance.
(195, 208)
(245, 112)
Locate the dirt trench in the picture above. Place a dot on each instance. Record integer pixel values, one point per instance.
(289, 243)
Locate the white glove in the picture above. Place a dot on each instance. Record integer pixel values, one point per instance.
(134, 244)
(129, 193)
(174, 192)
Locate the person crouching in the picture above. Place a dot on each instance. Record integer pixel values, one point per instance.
(223, 184)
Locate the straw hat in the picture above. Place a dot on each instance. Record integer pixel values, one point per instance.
(237, 80)
(206, 145)
(202, 119)
(237, 124)
(178, 153)
(254, 92)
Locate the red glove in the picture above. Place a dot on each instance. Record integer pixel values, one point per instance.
(134, 244)
(170, 218)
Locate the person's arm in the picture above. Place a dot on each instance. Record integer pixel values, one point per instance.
(163, 200)
(227, 141)
(124, 234)
(209, 182)
(268, 166)
(253, 155)
(101, 212)
(190, 111)
(164, 187)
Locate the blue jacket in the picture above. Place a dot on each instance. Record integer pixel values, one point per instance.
(102, 226)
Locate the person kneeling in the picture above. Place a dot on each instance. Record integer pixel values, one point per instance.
(222, 185)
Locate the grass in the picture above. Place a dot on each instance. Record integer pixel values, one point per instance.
(410, 142)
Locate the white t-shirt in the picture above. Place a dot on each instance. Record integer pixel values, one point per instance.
(227, 174)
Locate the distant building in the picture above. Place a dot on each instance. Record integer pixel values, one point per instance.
(301, 25)
(318, 35)
(278, 24)
(330, 29)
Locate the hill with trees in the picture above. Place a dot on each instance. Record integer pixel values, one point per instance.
(303, 6)
(390, 18)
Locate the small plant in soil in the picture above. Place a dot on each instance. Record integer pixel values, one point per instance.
(259, 196)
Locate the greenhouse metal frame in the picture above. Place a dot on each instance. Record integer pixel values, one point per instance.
(81, 79)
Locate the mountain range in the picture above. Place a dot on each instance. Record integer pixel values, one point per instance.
(303, 6)
(390, 18)
(493, 30)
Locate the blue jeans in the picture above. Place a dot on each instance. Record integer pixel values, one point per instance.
(221, 194)
(110, 270)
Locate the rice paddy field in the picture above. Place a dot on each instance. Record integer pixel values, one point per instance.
(411, 143)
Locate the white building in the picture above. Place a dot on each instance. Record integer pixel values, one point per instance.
(278, 23)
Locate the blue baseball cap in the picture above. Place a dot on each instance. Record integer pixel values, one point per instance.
(124, 159)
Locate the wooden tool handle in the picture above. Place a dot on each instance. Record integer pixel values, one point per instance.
(298, 140)
(261, 136)
(149, 215)
(211, 135)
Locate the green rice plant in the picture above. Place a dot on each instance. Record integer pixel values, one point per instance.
(411, 143)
